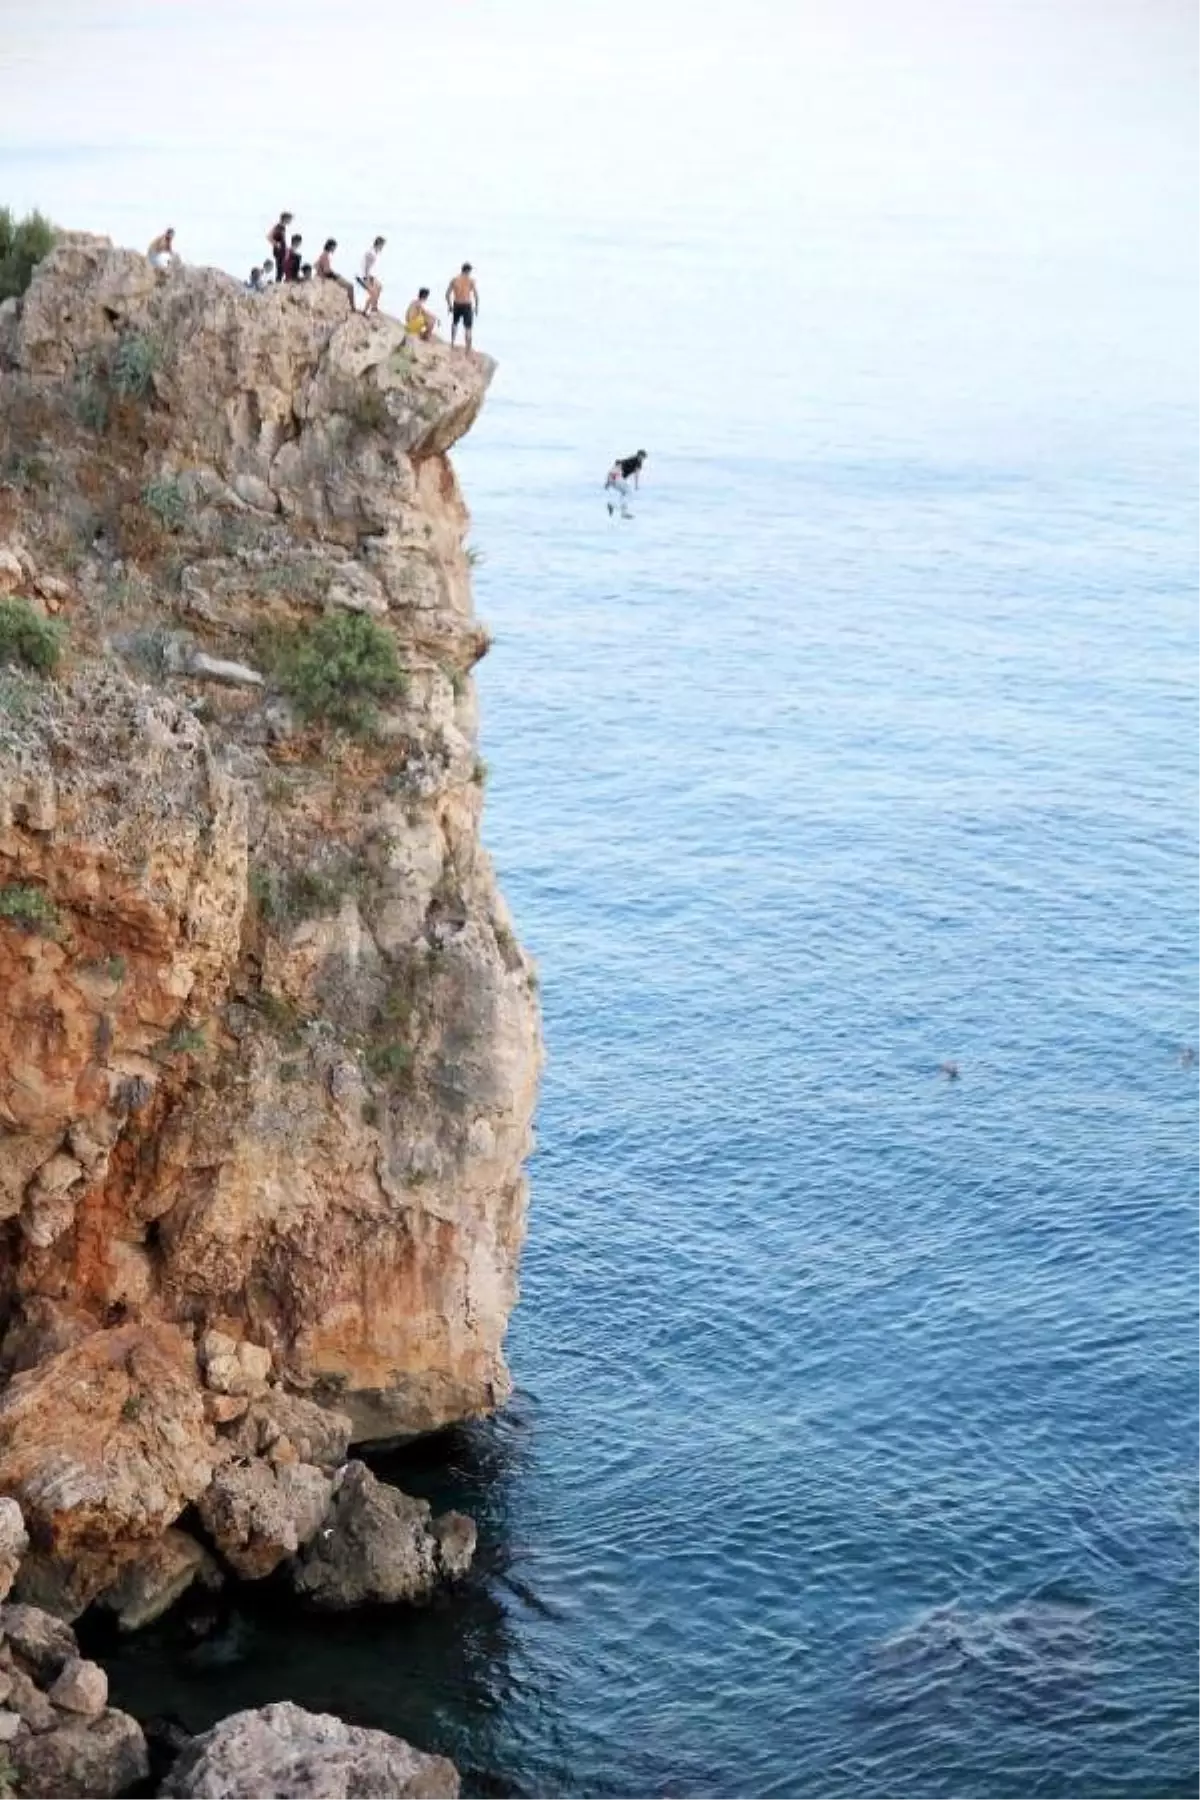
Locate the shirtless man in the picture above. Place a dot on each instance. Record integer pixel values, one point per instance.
(462, 297)
(325, 271)
(162, 250)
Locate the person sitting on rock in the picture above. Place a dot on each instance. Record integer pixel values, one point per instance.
(325, 270)
(277, 237)
(419, 322)
(291, 262)
(162, 250)
(306, 273)
(255, 282)
(370, 278)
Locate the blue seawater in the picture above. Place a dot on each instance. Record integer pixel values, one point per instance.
(854, 1446)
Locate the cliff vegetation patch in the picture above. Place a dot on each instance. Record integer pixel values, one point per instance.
(337, 670)
(23, 243)
(29, 909)
(27, 639)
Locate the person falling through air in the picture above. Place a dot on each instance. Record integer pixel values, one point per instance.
(462, 297)
(623, 471)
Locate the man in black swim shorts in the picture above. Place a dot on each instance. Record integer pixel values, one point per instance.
(462, 297)
(623, 471)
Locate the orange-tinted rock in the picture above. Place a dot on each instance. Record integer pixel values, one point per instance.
(268, 1043)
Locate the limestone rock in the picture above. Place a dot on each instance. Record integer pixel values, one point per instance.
(233, 1367)
(90, 1759)
(258, 1516)
(14, 1541)
(160, 1575)
(378, 1544)
(43, 1644)
(285, 1751)
(267, 1026)
(10, 1724)
(104, 1444)
(312, 1434)
(30, 1704)
(456, 1537)
(82, 1687)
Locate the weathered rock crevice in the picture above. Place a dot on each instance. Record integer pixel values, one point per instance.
(268, 1042)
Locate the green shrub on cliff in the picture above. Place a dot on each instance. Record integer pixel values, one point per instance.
(134, 364)
(23, 243)
(29, 909)
(165, 499)
(28, 640)
(335, 671)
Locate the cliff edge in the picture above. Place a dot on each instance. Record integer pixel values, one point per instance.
(268, 1043)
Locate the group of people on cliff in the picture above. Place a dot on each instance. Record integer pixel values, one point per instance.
(286, 264)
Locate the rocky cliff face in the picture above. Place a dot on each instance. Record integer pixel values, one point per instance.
(268, 1043)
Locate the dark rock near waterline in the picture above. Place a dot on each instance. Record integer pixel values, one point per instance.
(378, 1544)
(158, 1578)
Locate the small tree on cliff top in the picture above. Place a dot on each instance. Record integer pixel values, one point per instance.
(23, 243)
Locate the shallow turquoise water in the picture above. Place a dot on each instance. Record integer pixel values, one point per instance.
(854, 1449)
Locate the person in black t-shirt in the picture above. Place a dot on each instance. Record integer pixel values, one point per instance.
(291, 262)
(277, 238)
(623, 471)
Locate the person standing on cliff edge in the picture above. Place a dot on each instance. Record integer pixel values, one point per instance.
(462, 297)
(277, 237)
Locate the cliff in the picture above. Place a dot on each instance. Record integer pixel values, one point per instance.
(268, 1043)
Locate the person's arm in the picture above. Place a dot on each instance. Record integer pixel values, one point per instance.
(475, 298)
(450, 293)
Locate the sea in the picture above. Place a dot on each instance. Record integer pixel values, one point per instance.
(853, 1447)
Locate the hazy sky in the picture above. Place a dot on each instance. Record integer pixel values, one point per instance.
(471, 109)
(961, 195)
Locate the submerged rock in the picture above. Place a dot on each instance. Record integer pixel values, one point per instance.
(378, 1544)
(284, 1751)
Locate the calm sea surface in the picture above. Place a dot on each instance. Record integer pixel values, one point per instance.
(854, 1448)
